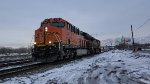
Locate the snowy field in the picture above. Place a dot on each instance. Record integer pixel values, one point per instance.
(113, 67)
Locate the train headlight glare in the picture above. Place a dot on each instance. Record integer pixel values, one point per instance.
(46, 29)
(50, 42)
(34, 43)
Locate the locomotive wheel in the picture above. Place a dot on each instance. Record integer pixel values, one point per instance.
(52, 58)
(72, 55)
(60, 57)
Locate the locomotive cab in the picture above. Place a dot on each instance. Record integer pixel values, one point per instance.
(48, 40)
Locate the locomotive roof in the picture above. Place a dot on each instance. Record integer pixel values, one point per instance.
(86, 35)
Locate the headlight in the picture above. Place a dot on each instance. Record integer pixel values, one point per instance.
(46, 29)
(34, 43)
(50, 42)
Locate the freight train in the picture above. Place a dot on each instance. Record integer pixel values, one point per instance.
(58, 39)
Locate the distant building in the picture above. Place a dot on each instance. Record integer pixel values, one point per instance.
(123, 40)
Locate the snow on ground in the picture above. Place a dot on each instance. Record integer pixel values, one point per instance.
(113, 67)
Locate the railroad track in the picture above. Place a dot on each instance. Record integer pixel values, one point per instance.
(16, 68)
(14, 62)
(22, 66)
(13, 66)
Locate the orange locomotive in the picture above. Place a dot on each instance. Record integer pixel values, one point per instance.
(57, 39)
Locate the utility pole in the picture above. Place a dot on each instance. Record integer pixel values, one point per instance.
(132, 39)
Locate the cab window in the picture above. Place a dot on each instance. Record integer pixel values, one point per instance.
(57, 24)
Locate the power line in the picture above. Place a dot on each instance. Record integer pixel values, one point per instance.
(144, 23)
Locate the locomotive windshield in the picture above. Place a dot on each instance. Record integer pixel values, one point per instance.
(58, 24)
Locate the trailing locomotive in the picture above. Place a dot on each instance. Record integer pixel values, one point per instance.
(57, 39)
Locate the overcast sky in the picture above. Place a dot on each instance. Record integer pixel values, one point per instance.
(101, 18)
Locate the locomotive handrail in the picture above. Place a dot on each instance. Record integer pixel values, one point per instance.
(56, 36)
